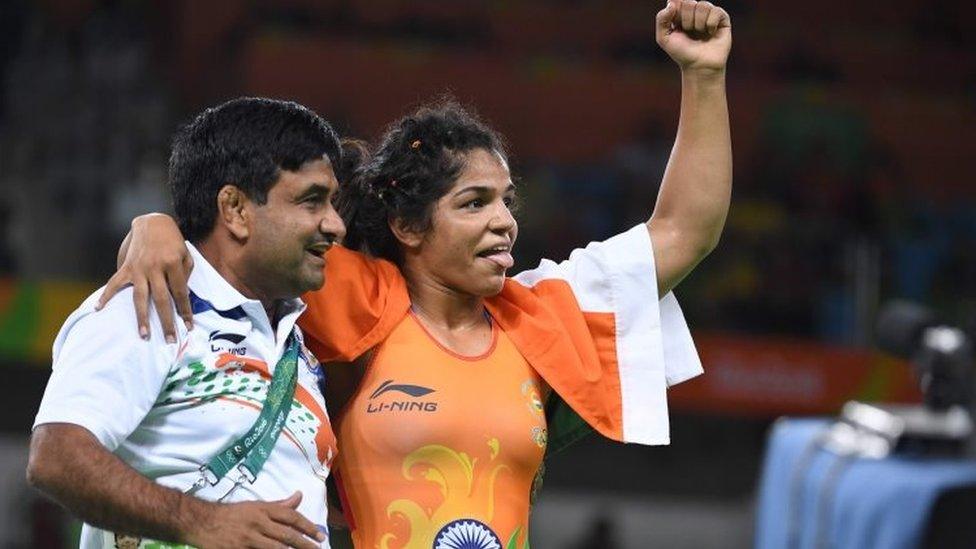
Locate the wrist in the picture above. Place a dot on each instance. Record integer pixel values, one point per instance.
(196, 515)
(703, 75)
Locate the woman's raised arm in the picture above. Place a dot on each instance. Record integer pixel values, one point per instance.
(696, 190)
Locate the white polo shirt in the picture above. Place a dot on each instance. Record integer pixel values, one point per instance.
(166, 409)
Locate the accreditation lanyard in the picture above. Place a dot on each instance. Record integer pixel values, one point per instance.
(249, 452)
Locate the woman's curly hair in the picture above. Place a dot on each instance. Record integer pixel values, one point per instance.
(416, 162)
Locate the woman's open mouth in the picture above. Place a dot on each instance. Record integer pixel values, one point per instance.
(499, 255)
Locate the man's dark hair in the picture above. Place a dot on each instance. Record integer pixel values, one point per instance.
(245, 142)
(417, 161)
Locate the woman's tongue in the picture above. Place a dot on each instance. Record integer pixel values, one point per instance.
(502, 259)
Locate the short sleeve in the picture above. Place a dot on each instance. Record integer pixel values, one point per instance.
(105, 378)
(641, 341)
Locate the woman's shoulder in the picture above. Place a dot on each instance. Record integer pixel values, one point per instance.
(361, 301)
(356, 273)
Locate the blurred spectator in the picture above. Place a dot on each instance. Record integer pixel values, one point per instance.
(75, 132)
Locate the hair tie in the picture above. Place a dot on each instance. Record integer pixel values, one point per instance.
(393, 182)
(415, 144)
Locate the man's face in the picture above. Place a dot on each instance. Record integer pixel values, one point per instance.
(290, 233)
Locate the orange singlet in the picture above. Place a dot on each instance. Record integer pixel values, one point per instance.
(438, 449)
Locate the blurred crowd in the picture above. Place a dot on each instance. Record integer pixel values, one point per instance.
(830, 215)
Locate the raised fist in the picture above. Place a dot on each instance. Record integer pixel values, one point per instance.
(697, 35)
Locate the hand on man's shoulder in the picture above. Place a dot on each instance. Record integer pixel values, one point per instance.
(117, 319)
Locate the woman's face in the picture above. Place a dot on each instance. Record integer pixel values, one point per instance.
(468, 247)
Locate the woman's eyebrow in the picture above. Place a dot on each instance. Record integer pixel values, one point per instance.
(483, 189)
(480, 189)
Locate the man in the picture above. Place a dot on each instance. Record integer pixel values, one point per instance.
(206, 439)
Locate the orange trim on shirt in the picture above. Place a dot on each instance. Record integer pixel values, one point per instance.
(249, 404)
(323, 435)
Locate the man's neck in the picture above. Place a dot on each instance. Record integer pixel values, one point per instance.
(271, 309)
(227, 266)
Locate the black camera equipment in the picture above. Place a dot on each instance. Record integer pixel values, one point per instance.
(939, 431)
(943, 363)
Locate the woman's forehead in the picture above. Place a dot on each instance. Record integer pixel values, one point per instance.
(485, 167)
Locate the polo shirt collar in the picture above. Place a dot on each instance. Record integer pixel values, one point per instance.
(209, 285)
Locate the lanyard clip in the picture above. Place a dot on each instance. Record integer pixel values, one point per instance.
(200, 482)
(208, 476)
(246, 474)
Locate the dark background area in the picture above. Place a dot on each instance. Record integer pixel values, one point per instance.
(854, 183)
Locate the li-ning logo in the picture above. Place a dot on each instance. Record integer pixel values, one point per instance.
(415, 391)
(224, 342)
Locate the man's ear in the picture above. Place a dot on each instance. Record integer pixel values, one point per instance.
(233, 211)
(407, 236)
